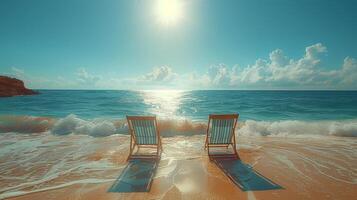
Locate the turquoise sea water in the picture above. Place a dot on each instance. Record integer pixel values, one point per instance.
(63, 138)
(193, 105)
(101, 113)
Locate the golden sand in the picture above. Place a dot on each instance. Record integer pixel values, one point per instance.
(307, 168)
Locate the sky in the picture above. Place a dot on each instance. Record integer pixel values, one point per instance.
(180, 44)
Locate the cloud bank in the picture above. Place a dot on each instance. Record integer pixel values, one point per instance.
(281, 72)
(278, 71)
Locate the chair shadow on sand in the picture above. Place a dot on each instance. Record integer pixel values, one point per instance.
(220, 135)
(137, 176)
(243, 175)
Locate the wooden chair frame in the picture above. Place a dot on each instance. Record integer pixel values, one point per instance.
(232, 137)
(133, 142)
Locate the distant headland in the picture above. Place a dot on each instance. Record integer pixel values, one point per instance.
(13, 87)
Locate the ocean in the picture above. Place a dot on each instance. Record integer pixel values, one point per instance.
(261, 112)
(69, 144)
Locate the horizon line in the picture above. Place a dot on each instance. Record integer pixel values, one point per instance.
(342, 90)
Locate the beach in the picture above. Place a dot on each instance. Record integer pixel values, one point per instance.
(178, 100)
(83, 167)
(74, 144)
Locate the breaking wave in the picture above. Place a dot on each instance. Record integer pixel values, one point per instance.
(72, 124)
(347, 128)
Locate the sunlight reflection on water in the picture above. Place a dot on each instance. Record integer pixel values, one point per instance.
(163, 103)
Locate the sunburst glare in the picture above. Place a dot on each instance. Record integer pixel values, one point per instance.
(169, 12)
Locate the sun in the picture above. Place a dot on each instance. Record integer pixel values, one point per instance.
(169, 12)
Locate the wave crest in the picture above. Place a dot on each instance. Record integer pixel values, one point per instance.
(25, 124)
(298, 128)
(72, 124)
(99, 127)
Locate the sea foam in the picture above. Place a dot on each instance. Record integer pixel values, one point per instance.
(72, 124)
(299, 128)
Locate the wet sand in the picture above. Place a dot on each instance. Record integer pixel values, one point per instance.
(83, 167)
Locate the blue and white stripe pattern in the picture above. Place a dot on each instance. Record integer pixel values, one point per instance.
(221, 131)
(145, 131)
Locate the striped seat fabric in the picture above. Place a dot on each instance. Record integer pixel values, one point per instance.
(221, 131)
(145, 132)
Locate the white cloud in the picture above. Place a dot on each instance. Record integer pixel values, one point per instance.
(348, 73)
(346, 77)
(85, 78)
(301, 71)
(29, 80)
(313, 51)
(160, 74)
(158, 77)
(18, 73)
(281, 72)
(219, 75)
(278, 59)
(252, 74)
(278, 71)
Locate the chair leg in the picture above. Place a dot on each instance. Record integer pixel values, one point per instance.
(235, 149)
(206, 142)
(209, 155)
(160, 144)
(131, 149)
(157, 151)
(129, 156)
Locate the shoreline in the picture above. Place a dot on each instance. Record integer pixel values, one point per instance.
(322, 165)
(169, 127)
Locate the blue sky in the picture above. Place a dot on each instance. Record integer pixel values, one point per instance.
(228, 44)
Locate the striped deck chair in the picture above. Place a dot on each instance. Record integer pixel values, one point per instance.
(144, 133)
(221, 133)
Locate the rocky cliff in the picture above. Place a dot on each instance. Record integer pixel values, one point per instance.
(12, 87)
